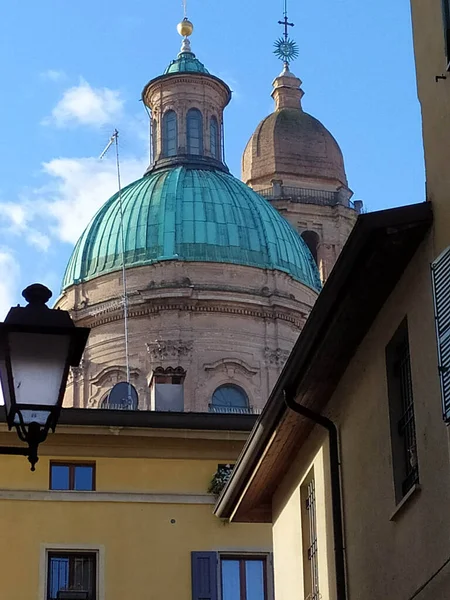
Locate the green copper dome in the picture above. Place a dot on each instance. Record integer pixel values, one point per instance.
(186, 62)
(190, 214)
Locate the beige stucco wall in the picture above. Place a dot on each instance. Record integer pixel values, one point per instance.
(434, 97)
(390, 550)
(391, 554)
(221, 323)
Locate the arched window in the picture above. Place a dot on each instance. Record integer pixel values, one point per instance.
(312, 241)
(122, 396)
(170, 131)
(194, 130)
(214, 138)
(229, 398)
(154, 139)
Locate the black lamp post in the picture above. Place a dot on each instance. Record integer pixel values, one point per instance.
(38, 345)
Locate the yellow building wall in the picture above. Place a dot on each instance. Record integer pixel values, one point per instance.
(146, 555)
(391, 550)
(288, 529)
(136, 475)
(145, 542)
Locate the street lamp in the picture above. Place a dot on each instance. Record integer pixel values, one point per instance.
(37, 346)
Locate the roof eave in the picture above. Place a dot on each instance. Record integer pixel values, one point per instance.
(152, 419)
(414, 220)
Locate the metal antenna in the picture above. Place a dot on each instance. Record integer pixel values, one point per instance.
(114, 139)
(184, 8)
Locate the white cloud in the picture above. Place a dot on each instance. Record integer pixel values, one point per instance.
(85, 105)
(53, 75)
(75, 189)
(18, 217)
(78, 188)
(9, 275)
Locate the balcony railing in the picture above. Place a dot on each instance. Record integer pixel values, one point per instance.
(310, 196)
(118, 405)
(234, 410)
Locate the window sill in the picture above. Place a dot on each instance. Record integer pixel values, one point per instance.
(413, 492)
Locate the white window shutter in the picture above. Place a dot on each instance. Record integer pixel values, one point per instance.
(440, 270)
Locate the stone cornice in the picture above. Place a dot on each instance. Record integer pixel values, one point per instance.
(128, 497)
(155, 86)
(181, 304)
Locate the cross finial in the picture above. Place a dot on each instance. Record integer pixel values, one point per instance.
(285, 48)
(286, 24)
(285, 21)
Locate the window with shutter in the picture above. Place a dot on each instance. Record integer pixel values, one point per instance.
(204, 575)
(243, 577)
(440, 270)
(238, 576)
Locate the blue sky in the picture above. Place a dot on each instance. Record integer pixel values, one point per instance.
(72, 72)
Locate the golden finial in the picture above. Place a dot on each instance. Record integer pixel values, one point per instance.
(185, 28)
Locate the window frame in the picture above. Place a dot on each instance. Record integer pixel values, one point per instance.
(72, 553)
(214, 136)
(154, 131)
(213, 405)
(72, 466)
(189, 139)
(243, 558)
(401, 412)
(310, 537)
(166, 141)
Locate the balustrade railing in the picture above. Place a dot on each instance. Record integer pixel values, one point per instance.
(308, 196)
(235, 410)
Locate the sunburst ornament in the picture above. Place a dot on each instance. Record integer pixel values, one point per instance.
(286, 49)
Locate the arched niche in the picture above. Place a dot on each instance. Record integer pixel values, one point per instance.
(312, 240)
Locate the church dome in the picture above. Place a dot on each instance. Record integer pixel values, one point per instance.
(292, 146)
(190, 214)
(292, 142)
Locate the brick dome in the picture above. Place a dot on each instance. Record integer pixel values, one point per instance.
(291, 143)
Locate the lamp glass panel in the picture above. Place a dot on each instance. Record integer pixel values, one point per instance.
(6, 398)
(38, 362)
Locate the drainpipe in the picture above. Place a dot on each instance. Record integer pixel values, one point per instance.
(339, 559)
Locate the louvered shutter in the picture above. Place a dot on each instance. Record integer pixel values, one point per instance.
(440, 270)
(204, 575)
